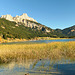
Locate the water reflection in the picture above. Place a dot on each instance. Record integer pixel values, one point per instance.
(41, 41)
(38, 67)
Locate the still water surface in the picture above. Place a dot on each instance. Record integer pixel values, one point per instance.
(41, 41)
(39, 67)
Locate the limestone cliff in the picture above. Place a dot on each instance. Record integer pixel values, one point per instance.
(8, 17)
(26, 21)
(24, 16)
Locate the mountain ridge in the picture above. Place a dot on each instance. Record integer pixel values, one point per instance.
(18, 18)
(26, 27)
(25, 20)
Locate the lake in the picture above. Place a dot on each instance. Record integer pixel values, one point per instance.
(39, 67)
(41, 41)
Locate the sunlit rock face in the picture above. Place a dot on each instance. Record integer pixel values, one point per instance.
(24, 18)
(26, 21)
(8, 17)
(21, 18)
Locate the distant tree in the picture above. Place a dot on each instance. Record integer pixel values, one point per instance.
(4, 36)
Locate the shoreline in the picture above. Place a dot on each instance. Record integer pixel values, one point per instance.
(35, 39)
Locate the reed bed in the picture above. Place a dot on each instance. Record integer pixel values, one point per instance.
(54, 50)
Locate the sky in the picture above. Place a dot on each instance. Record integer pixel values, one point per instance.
(51, 13)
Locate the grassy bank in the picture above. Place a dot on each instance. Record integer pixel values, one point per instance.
(11, 40)
(36, 38)
(54, 50)
(48, 38)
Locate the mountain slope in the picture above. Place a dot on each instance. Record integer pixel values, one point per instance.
(26, 21)
(14, 30)
(27, 27)
(70, 32)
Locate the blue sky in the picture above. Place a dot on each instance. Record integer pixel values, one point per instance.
(52, 13)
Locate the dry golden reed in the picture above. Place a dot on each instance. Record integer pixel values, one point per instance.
(54, 50)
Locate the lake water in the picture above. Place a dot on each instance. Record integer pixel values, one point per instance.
(39, 67)
(41, 41)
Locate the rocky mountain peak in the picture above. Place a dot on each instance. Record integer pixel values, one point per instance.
(24, 15)
(18, 18)
(8, 17)
(27, 21)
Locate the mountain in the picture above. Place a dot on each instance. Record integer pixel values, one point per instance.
(9, 29)
(26, 27)
(26, 21)
(18, 18)
(70, 32)
(67, 32)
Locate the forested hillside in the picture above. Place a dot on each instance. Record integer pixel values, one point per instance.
(9, 29)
